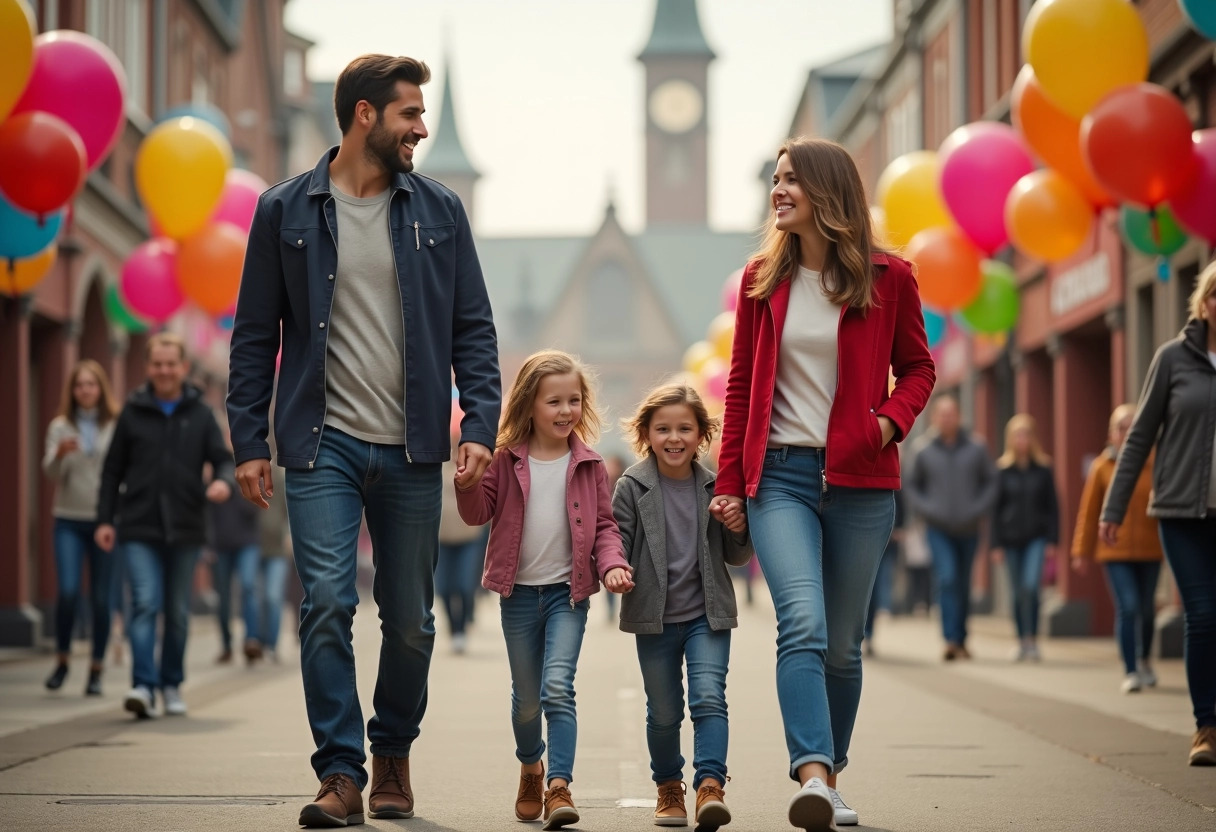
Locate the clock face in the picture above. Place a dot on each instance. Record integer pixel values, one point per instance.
(676, 106)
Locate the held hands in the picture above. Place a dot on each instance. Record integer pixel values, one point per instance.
(219, 491)
(618, 580)
(472, 460)
(729, 512)
(254, 479)
(104, 537)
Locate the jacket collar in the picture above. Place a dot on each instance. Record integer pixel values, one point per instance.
(1195, 336)
(318, 182)
(144, 397)
(646, 473)
(580, 451)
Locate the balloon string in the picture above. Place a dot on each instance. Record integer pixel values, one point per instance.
(1154, 226)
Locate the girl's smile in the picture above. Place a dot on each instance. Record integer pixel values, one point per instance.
(674, 437)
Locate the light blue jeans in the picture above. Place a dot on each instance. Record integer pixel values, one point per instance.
(819, 550)
(161, 577)
(1025, 564)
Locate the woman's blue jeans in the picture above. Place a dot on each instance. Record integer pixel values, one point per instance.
(1025, 565)
(1190, 547)
(819, 550)
(74, 546)
(1133, 583)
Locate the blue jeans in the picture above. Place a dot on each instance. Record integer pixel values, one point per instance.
(161, 577)
(1190, 547)
(325, 507)
(456, 580)
(274, 582)
(1132, 585)
(819, 552)
(244, 562)
(952, 558)
(1025, 564)
(544, 634)
(662, 656)
(74, 545)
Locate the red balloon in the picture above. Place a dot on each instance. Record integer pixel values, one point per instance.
(1195, 207)
(1137, 143)
(44, 162)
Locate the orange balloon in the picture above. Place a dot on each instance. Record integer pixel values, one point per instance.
(1047, 217)
(209, 266)
(20, 276)
(1053, 135)
(947, 267)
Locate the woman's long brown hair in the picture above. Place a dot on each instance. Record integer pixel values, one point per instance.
(107, 408)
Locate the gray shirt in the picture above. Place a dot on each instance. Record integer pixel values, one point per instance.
(685, 593)
(365, 359)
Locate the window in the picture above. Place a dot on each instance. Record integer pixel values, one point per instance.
(122, 25)
(610, 316)
(903, 126)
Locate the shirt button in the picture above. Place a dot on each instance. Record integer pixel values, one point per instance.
(430, 242)
(578, 521)
(321, 325)
(299, 242)
(331, 277)
(576, 503)
(316, 430)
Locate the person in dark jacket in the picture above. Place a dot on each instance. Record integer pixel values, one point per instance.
(1025, 525)
(152, 502)
(236, 551)
(1177, 412)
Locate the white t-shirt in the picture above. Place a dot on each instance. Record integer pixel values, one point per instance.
(546, 552)
(806, 366)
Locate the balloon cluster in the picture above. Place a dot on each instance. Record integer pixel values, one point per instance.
(707, 362)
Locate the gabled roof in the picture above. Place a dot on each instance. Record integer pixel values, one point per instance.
(446, 156)
(676, 31)
(828, 85)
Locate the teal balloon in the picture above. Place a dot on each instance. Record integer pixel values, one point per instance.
(995, 309)
(935, 326)
(1202, 14)
(120, 316)
(204, 112)
(1138, 231)
(22, 234)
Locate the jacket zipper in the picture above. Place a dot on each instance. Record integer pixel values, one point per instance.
(325, 356)
(405, 378)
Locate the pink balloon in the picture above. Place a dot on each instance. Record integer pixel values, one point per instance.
(980, 164)
(77, 78)
(239, 199)
(730, 291)
(1195, 208)
(149, 280)
(715, 384)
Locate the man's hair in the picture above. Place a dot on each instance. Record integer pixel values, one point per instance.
(165, 339)
(373, 78)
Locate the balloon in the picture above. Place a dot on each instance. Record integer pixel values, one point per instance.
(239, 199)
(44, 162)
(909, 195)
(980, 163)
(23, 234)
(149, 285)
(21, 276)
(209, 266)
(180, 170)
(1202, 15)
(1138, 144)
(1054, 135)
(77, 78)
(1195, 207)
(1047, 216)
(17, 29)
(226, 322)
(721, 334)
(935, 326)
(730, 291)
(878, 225)
(1083, 49)
(119, 315)
(209, 113)
(995, 309)
(696, 356)
(947, 267)
(715, 374)
(1155, 232)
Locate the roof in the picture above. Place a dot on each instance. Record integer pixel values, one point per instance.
(446, 156)
(829, 85)
(676, 31)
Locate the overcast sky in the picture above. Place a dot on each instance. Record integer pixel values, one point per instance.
(549, 94)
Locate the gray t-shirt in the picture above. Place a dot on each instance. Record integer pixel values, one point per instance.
(365, 362)
(546, 551)
(685, 592)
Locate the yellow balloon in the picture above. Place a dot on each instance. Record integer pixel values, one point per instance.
(910, 198)
(722, 334)
(179, 171)
(878, 225)
(17, 31)
(1081, 50)
(20, 276)
(696, 356)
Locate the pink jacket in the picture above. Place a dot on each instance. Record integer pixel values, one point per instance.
(501, 495)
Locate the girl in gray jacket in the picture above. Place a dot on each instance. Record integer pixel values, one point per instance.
(682, 607)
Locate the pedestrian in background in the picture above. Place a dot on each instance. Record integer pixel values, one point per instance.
(1177, 413)
(881, 598)
(457, 572)
(1133, 563)
(276, 564)
(1025, 526)
(918, 565)
(236, 552)
(76, 444)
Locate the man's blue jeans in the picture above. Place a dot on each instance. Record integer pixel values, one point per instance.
(819, 551)
(1025, 564)
(161, 577)
(952, 558)
(544, 635)
(662, 657)
(1133, 583)
(1190, 547)
(326, 506)
(74, 545)
(245, 563)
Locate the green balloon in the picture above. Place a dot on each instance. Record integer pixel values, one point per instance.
(1137, 227)
(120, 316)
(995, 308)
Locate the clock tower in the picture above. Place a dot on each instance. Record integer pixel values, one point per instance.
(677, 59)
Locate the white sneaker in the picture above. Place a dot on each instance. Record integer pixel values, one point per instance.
(1131, 683)
(460, 643)
(812, 808)
(1032, 653)
(845, 816)
(1019, 654)
(174, 704)
(141, 702)
(1147, 676)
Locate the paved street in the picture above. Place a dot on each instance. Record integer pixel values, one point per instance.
(981, 746)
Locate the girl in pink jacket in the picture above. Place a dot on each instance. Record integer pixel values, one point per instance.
(552, 540)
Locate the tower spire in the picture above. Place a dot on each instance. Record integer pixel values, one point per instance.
(676, 31)
(446, 160)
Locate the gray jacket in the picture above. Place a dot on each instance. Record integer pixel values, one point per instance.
(1177, 411)
(638, 506)
(953, 487)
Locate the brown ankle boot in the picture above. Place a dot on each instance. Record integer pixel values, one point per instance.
(670, 810)
(338, 803)
(530, 801)
(559, 808)
(391, 796)
(711, 807)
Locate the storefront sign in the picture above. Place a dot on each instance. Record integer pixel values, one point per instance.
(1083, 283)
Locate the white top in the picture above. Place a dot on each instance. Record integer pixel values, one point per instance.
(806, 366)
(546, 552)
(1212, 473)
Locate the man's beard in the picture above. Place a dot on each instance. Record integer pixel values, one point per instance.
(385, 148)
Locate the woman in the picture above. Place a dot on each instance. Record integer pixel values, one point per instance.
(1177, 411)
(76, 444)
(1026, 521)
(823, 315)
(1133, 565)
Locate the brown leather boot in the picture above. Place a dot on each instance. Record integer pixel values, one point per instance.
(669, 809)
(338, 803)
(391, 796)
(530, 801)
(711, 807)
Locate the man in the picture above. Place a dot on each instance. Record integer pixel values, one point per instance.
(369, 273)
(952, 487)
(165, 435)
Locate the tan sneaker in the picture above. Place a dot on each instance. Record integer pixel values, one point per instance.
(559, 808)
(711, 807)
(1203, 748)
(391, 795)
(530, 801)
(338, 803)
(670, 809)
